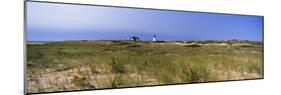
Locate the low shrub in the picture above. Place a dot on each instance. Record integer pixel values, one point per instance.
(192, 46)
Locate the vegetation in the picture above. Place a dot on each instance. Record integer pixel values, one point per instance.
(74, 65)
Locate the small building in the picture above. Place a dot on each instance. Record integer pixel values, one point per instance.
(134, 38)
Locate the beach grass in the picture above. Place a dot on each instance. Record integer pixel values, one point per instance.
(75, 65)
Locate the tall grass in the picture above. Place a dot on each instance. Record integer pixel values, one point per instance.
(118, 64)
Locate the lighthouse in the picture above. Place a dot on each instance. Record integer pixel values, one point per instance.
(154, 38)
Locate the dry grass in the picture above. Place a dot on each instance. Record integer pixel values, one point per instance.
(76, 65)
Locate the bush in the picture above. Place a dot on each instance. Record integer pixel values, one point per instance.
(192, 46)
(118, 81)
(159, 41)
(115, 41)
(117, 67)
(35, 56)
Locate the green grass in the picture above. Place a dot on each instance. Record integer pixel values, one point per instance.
(122, 63)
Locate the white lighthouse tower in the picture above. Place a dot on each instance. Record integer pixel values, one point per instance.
(154, 38)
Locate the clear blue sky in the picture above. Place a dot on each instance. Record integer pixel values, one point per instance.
(58, 22)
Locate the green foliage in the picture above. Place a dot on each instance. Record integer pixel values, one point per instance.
(35, 55)
(117, 67)
(119, 81)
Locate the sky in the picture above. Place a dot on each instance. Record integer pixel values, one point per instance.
(59, 22)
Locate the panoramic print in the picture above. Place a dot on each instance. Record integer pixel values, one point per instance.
(79, 47)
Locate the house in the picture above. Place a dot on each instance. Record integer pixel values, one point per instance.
(134, 38)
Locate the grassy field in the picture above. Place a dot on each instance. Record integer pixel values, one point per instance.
(76, 65)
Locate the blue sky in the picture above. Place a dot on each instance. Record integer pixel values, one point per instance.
(58, 22)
